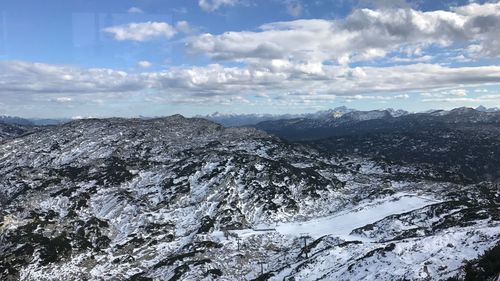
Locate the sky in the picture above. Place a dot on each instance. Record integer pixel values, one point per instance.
(103, 58)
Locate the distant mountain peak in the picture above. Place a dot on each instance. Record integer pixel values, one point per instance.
(13, 120)
(490, 109)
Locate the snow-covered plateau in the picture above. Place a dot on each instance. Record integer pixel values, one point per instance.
(187, 199)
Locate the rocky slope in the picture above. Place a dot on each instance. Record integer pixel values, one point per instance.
(461, 145)
(186, 199)
(9, 131)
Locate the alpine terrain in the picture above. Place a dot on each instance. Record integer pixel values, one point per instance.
(176, 198)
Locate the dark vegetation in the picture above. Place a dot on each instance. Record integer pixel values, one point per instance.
(484, 268)
(461, 146)
(462, 154)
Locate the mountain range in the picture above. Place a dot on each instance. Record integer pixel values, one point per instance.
(178, 198)
(233, 120)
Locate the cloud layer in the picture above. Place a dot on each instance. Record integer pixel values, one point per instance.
(309, 62)
(278, 79)
(365, 34)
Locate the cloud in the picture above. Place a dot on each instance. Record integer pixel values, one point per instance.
(18, 77)
(446, 94)
(144, 64)
(184, 27)
(481, 90)
(379, 97)
(487, 99)
(424, 58)
(135, 10)
(142, 31)
(294, 82)
(61, 99)
(279, 84)
(213, 5)
(363, 35)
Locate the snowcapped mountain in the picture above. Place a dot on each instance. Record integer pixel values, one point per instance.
(315, 128)
(397, 112)
(335, 112)
(357, 122)
(327, 116)
(463, 144)
(484, 109)
(235, 120)
(187, 199)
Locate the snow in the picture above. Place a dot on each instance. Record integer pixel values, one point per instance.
(343, 223)
(232, 177)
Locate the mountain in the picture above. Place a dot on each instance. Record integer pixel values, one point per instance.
(463, 144)
(357, 122)
(484, 109)
(8, 131)
(12, 120)
(236, 120)
(48, 121)
(187, 199)
(309, 128)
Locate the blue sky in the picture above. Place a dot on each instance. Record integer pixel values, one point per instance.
(156, 57)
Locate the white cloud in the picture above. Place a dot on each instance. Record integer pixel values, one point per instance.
(135, 10)
(144, 64)
(62, 99)
(183, 26)
(446, 94)
(212, 5)
(363, 35)
(486, 99)
(481, 90)
(279, 80)
(18, 77)
(424, 58)
(279, 84)
(142, 31)
(379, 97)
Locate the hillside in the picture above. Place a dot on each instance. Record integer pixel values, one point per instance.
(182, 199)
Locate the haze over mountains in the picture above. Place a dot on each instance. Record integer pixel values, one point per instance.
(231, 119)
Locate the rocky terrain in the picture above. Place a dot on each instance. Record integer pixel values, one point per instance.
(187, 199)
(9, 131)
(375, 121)
(461, 145)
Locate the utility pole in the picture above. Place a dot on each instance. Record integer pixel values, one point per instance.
(261, 266)
(305, 237)
(238, 241)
